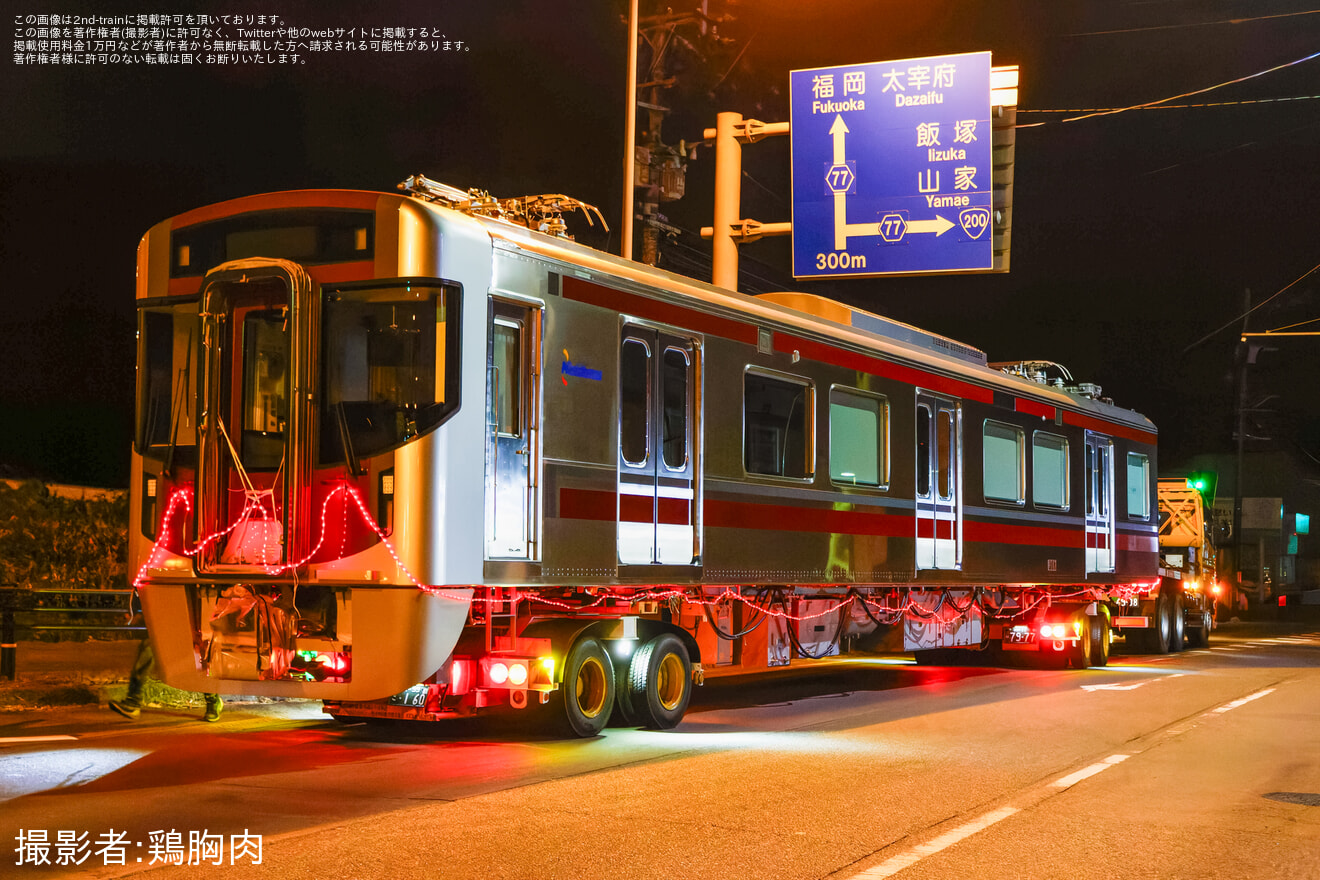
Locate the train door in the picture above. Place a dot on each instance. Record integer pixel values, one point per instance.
(1099, 503)
(939, 481)
(254, 459)
(658, 413)
(513, 374)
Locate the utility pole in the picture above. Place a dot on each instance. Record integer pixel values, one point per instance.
(1243, 355)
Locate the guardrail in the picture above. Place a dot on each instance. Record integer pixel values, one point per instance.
(15, 600)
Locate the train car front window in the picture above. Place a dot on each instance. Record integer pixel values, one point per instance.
(168, 338)
(391, 367)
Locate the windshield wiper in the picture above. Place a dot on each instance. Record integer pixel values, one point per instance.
(346, 440)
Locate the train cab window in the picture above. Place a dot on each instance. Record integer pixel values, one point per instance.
(859, 438)
(265, 388)
(1049, 470)
(1003, 457)
(634, 398)
(1138, 485)
(391, 357)
(674, 379)
(777, 420)
(169, 339)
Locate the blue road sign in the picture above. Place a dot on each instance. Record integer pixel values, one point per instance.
(891, 167)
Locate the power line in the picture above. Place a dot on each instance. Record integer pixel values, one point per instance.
(1250, 310)
(1230, 82)
(1177, 106)
(1165, 27)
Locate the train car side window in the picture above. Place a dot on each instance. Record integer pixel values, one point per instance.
(777, 421)
(923, 451)
(674, 365)
(1138, 485)
(1003, 455)
(635, 398)
(508, 376)
(1049, 471)
(944, 447)
(859, 438)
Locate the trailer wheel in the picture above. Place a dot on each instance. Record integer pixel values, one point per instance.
(623, 715)
(1177, 624)
(1160, 638)
(1199, 637)
(587, 691)
(1081, 651)
(1100, 639)
(659, 683)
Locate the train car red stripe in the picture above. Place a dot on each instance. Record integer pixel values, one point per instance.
(888, 369)
(656, 310)
(1033, 408)
(1110, 428)
(329, 273)
(598, 505)
(337, 198)
(591, 504)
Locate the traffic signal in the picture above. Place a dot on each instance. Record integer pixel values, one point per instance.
(1203, 482)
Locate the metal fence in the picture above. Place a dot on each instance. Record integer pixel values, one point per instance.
(51, 610)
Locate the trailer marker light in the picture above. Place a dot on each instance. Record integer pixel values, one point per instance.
(518, 674)
(499, 673)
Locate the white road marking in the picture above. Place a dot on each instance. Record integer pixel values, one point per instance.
(1086, 772)
(1116, 686)
(18, 740)
(944, 841)
(1242, 702)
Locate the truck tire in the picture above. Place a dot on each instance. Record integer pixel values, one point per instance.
(659, 683)
(1100, 639)
(1199, 636)
(586, 695)
(1160, 636)
(1079, 653)
(1177, 624)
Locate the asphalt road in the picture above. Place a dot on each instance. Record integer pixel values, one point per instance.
(1201, 764)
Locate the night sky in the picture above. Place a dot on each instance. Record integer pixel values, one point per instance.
(1135, 235)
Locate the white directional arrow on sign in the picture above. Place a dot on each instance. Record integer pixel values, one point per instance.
(939, 225)
(843, 230)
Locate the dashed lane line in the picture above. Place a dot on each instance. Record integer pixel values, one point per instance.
(1087, 772)
(1228, 707)
(944, 841)
(912, 856)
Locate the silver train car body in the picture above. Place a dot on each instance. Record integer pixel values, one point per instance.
(384, 442)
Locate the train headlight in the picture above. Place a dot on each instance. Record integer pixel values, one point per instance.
(499, 673)
(518, 674)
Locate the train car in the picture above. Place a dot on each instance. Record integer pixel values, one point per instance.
(419, 454)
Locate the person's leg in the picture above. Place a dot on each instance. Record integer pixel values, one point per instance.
(131, 705)
(214, 706)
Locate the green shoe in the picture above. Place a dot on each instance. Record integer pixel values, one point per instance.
(213, 710)
(128, 708)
